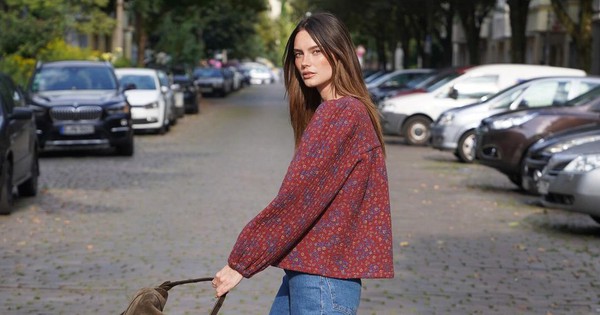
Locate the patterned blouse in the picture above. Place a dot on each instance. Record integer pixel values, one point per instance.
(331, 216)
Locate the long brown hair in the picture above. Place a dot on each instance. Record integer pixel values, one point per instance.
(333, 38)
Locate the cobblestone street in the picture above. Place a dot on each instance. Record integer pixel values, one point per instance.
(102, 227)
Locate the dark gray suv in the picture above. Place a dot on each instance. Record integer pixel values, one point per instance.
(19, 166)
(80, 104)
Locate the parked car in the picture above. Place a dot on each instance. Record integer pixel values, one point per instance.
(79, 104)
(213, 81)
(19, 165)
(261, 75)
(411, 115)
(571, 179)
(191, 95)
(174, 110)
(237, 78)
(454, 130)
(541, 151)
(151, 103)
(392, 82)
(503, 139)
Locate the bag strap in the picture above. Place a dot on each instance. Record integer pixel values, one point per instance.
(169, 285)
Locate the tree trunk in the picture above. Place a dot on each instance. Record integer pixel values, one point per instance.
(447, 41)
(581, 32)
(142, 38)
(472, 14)
(519, 10)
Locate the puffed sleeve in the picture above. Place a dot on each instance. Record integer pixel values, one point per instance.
(323, 160)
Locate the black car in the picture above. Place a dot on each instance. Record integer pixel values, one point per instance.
(80, 104)
(18, 146)
(191, 95)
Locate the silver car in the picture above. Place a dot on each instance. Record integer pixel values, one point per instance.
(454, 130)
(571, 179)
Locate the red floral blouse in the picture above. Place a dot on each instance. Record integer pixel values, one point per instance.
(331, 216)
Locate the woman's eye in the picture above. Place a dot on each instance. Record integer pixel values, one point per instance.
(316, 52)
(297, 55)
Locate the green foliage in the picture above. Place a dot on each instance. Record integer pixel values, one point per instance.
(18, 67)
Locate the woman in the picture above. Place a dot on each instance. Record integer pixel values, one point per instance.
(329, 226)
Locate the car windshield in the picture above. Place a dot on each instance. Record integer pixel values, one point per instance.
(207, 73)
(141, 82)
(435, 82)
(73, 78)
(584, 98)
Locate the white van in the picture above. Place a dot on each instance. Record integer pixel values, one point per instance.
(411, 115)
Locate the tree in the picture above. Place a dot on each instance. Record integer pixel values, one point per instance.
(188, 30)
(472, 14)
(519, 9)
(580, 29)
(29, 25)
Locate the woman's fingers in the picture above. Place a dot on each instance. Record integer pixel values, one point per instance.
(225, 280)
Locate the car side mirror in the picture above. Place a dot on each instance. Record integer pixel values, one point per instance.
(453, 93)
(21, 113)
(523, 104)
(164, 89)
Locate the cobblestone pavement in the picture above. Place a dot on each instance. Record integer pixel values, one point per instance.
(102, 227)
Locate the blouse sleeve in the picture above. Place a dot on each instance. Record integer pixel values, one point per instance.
(322, 162)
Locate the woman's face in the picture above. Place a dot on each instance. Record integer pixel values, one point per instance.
(312, 65)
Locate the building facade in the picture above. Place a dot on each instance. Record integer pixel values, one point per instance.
(547, 41)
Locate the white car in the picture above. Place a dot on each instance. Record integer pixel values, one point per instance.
(411, 115)
(151, 103)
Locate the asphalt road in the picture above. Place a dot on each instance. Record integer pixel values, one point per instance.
(102, 227)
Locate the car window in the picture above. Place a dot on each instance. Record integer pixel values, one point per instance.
(476, 87)
(585, 86)
(73, 78)
(207, 73)
(141, 82)
(163, 78)
(400, 79)
(6, 96)
(546, 94)
(585, 98)
(437, 81)
(504, 100)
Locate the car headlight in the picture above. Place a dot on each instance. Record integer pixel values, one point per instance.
(445, 119)
(562, 146)
(120, 108)
(583, 163)
(509, 122)
(151, 105)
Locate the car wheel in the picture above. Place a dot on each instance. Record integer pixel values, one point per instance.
(466, 147)
(6, 191)
(29, 188)
(126, 149)
(416, 130)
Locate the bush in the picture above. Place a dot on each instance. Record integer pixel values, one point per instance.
(18, 68)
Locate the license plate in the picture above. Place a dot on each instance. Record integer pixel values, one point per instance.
(205, 90)
(77, 129)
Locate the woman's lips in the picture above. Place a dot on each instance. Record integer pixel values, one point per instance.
(307, 75)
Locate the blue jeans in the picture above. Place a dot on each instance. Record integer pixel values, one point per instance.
(305, 294)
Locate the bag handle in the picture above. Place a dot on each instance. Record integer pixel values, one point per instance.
(169, 285)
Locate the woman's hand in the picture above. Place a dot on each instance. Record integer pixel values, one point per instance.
(225, 280)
